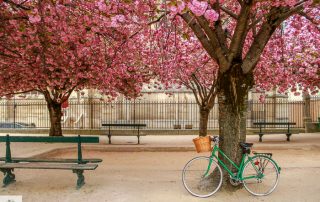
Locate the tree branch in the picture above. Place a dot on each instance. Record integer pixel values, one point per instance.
(310, 19)
(198, 85)
(230, 13)
(200, 34)
(239, 36)
(194, 90)
(20, 92)
(220, 47)
(275, 17)
(150, 23)
(21, 6)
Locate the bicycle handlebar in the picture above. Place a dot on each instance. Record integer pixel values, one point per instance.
(216, 138)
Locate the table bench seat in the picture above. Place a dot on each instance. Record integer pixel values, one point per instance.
(17, 160)
(34, 165)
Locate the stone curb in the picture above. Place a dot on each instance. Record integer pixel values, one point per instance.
(125, 148)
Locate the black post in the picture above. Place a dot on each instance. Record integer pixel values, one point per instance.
(79, 150)
(8, 150)
(14, 112)
(109, 135)
(260, 128)
(138, 135)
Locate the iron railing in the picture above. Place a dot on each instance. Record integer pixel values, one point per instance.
(90, 114)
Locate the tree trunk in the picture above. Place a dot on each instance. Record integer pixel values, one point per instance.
(232, 98)
(55, 118)
(232, 129)
(204, 117)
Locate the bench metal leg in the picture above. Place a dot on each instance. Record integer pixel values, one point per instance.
(109, 136)
(9, 177)
(260, 137)
(138, 139)
(80, 181)
(288, 136)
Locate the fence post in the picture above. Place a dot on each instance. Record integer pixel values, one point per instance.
(14, 112)
(309, 127)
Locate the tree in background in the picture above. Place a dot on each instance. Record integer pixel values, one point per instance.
(182, 61)
(56, 47)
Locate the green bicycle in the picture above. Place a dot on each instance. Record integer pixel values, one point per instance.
(202, 176)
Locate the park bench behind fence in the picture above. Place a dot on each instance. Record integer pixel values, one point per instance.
(136, 126)
(262, 127)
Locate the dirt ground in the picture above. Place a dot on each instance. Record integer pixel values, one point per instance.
(156, 177)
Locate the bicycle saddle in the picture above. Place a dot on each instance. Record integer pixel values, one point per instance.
(245, 145)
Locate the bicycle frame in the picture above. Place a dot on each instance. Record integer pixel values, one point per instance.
(238, 168)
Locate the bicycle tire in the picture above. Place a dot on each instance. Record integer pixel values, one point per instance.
(268, 182)
(194, 180)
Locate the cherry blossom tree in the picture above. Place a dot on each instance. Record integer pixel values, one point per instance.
(253, 42)
(56, 47)
(181, 61)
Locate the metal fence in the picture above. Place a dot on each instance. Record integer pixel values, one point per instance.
(90, 114)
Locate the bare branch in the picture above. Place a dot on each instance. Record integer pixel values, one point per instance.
(200, 34)
(229, 12)
(220, 47)
(194, 90)
(17, 5)
(310, 19)
(198, 85)
(150, 23)
(240, 33)
(254, 23)
(14, 18)
(20, 92)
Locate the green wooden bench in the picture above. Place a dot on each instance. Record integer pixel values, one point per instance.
(78, 166)
(286, 130)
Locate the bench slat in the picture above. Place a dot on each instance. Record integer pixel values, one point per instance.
(125, 124)
(126, 134)
(134, 125)
(62, 139)
(52, 160)
(274, 123)
(60, 166)
(280, 132)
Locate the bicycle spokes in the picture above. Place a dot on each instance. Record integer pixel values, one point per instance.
(196, 182)
(260, 175)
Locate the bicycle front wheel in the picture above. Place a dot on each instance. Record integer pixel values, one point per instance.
(201, 179)
(260, 176)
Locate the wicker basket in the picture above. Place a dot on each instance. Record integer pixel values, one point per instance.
(203, 144)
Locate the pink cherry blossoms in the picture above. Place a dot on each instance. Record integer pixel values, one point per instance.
(198, 8)
(56, 47)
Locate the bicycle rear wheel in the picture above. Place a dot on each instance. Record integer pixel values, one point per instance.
(198, 181)
(261, 176)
